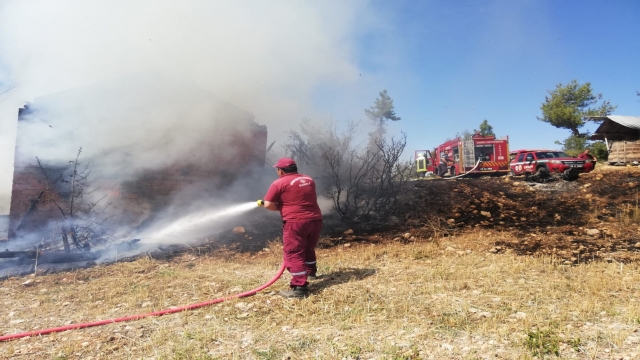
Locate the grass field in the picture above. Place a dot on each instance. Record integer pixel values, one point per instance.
(422, 300)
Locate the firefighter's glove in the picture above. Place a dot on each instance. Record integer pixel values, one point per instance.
(260, 203)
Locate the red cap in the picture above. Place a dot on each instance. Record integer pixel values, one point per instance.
(284, 163)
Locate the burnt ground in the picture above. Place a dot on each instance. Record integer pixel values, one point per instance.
(595, 217)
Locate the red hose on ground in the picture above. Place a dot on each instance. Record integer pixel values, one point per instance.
(142, 316)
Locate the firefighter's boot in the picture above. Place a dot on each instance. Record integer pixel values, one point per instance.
(295, 292)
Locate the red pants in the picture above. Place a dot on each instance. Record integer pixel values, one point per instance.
(300, 239)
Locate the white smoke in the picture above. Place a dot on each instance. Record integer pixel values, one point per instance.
(265, 57)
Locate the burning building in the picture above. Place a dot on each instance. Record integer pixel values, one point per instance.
(144, 140)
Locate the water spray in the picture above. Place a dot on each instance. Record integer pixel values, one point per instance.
(176, 227)
(196, 221)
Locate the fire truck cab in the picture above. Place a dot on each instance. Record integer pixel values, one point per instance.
(532, 161)
(476, 155)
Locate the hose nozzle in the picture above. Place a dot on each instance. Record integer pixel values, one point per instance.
(260, 203)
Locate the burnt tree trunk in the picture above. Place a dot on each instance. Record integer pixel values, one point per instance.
(65, 239)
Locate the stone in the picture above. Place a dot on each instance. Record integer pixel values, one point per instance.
(238, 230)
(406, 235)
(592, 232)
(485, 213)
(637, 245)
(350, 231)
(451, 221)
(520, 315)
(241, 306)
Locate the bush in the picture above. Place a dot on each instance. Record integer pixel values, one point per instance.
(599, 150)
(362, 182)
(543, 342)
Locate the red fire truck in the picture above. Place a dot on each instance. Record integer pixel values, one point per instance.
(476, 155)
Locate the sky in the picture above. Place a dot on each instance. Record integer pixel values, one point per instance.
(448, 65)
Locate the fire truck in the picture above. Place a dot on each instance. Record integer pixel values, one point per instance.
(477, 155)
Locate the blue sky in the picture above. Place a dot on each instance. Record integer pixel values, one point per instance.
(448, 65)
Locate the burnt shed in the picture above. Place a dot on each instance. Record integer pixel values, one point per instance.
(622, 136)
(146, 140)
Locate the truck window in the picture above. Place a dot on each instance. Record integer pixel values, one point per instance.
(456, 154)
(551, 154)
(529, 157)
(521, 157)
(483, 152)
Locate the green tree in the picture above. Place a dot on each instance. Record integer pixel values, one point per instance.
(574, 145)
(381, 112)
(464, 135)
(570, 106)
(485, 129)
(599, 150)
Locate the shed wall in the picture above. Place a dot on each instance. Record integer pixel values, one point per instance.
(624, 152)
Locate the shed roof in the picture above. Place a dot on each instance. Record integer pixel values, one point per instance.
(617, 127)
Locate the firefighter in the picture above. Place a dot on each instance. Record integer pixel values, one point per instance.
(443, 166)
(294, 195)
(421, 164)
(588, 157)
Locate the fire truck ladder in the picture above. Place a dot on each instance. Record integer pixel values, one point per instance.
(468, 154)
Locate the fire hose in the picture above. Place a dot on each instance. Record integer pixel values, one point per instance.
(142, 316)
(461, 175)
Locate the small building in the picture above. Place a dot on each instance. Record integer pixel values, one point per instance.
(174, 136)
(4, 227)
(621, 134)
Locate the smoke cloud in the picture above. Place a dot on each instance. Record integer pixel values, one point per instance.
(99, 66)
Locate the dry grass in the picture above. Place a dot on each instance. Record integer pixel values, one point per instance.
(451, 300)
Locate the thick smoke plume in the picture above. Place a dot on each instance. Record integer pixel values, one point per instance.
(127, 74)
